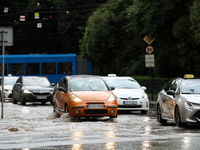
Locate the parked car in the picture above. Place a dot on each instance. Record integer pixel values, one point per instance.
(9, 81)
(32, 89)
(179, 101)
(130, 94)
(84, 96)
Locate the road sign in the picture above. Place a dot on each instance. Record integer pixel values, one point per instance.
(22, 18)
(149, 60)
(36, 14)
(7, 36)
(148, 40)
(39, 25)
(149, 49)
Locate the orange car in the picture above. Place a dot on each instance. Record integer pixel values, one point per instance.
(84, 96)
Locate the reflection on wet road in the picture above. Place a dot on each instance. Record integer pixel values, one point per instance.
(36, 127)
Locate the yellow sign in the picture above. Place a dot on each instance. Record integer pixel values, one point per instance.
(188, 76)
(148, 40)
(37, 16)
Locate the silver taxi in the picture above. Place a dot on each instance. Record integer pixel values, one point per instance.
(179, 101)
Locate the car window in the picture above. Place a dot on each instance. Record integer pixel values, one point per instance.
(123, 83)
(174, 85)
(63, 83)
(36, 82)
(191, 87)
(9, 81)
(19, 80)
(87, 84)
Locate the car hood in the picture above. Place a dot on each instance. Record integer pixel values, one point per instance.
(8, 87)
(92, 95)
(134, 93)
(195, 98)
(38, 88)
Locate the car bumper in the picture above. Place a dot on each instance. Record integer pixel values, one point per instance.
(37, 98)
(142, 104)
(8, 95)
(84, 111)
(190, 115)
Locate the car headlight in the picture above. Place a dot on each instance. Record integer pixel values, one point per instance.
(111, 97)
(27, 91)
(6, 90)
(144, 95)
(190, 104)
(75, 98)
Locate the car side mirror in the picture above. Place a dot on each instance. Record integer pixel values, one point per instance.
(144, 88)
(112, 88)
(18, 84)
(53, 84)
(171, 92)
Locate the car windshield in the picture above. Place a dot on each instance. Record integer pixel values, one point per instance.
(87, 84)
(9, 81)
(36, 82)
(191, 87)
(122, 83)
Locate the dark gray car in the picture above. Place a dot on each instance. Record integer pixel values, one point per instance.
(32, 89)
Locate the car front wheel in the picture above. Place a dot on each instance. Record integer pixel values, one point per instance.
(22, 100)
(178, 117)
(159, 116)
(14, 101)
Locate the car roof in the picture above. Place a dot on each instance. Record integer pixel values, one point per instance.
(83, 76)
(10, 77)
(33, 77)
(117, 77)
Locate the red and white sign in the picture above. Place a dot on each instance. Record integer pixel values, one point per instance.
(22, 18)
(149, 49)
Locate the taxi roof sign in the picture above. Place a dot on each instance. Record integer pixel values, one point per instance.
(188, 76)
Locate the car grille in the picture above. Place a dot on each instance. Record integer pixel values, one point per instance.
(122, 98)
(196, 116)
(137, 106)
(43, 94)
(10, 96)
(102, 111)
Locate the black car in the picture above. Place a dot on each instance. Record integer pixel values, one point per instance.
(32, 89)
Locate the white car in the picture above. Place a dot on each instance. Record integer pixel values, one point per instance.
(179, 102)
(130, 94)
(9, 81)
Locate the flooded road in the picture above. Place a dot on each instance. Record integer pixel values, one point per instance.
(36, 127)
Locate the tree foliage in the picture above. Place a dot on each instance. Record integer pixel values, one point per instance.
(113, 37)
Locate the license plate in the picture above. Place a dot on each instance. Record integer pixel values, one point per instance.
(95, 106)
(130, 102)
(41, 97)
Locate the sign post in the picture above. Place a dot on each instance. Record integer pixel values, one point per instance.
(149, 57)
(6, 39)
